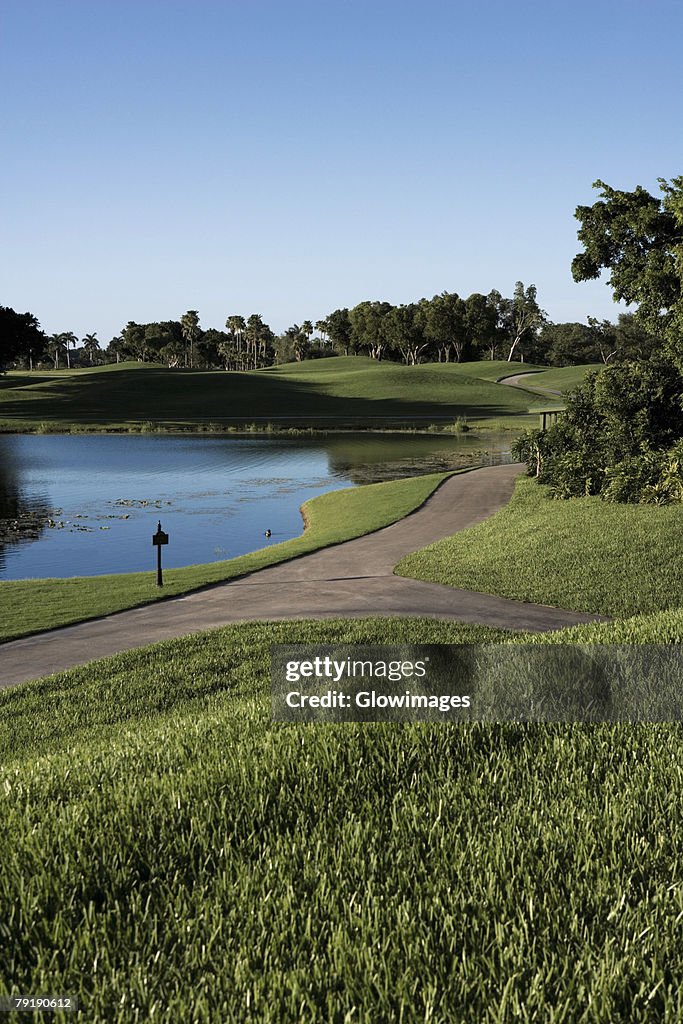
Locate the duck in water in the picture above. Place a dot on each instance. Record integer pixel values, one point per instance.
(268, 533)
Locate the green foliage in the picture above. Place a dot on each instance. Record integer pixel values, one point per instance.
(568, 343)
(521, 318)
(21, 338)
(637, 238)
(627, 480)
(610, 439)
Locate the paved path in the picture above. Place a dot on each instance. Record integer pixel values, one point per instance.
(351, 580)
(521, 380)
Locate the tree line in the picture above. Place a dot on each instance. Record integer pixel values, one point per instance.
(446, 328)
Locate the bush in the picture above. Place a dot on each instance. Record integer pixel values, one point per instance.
(619, 437)
(626, 481)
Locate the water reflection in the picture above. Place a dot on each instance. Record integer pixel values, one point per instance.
(372, 458)
(88, 504)
(23, 515)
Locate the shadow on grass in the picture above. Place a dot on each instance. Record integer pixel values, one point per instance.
(185, 395)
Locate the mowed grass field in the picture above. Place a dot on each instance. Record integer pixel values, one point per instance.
(549, 385)
(562, 378)
(170, 854)
(585, 554)
(344, 391)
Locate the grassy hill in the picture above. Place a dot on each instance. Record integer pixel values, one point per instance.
(345, 391)
(562, 378)
(588, 554)
(169, 853)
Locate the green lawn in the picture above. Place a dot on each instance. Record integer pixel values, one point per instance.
(352, 391)
(30, 606)
(495, 369)
(584, 554)
(170, 854)
(563, 378)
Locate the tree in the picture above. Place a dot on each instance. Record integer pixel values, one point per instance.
(189, 325)
(172, 353)
(489, 335)
(91, 347)
(237, 326)
(56, 345)
(259, 339)
(116, 347)
(446, 326)
(294, 344)
(522, 317)
(633, 340)
(339, 330)
(401, 331)
(366, 319)
(69, 338)
(627, 339)
(209, 351)
(21, 337)
(638, 238)
(570, 344)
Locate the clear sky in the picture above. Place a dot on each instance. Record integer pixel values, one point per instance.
(291, 157)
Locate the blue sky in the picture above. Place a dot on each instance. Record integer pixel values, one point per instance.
(289, 158)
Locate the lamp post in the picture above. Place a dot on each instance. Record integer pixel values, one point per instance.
(158, 539)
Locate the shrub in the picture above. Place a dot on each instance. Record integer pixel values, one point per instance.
(619, 437)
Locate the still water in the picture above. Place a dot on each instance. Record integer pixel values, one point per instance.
(81, 505)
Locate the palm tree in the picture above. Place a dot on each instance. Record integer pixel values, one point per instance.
(226, 350)
(254, 329)
(298, 339)
(55, 346)
(237, 326)
(90, 346)
(69, 338)
(189, 325)
(115, 347)
(322, 328)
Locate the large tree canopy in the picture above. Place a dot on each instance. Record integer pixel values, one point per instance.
(638, 238)
(20, 337)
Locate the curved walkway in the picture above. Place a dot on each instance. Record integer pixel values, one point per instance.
(351, 580)
(516, 380)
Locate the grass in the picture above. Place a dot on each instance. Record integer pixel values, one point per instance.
(583, 554)
(29, 606)
(170, 854)
(563, 378)
(345, 391)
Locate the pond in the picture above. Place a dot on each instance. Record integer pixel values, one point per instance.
(81, 505)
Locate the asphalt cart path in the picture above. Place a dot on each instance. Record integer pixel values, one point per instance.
(350, 580)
